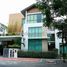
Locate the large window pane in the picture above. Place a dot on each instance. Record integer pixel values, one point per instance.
(35, 18)
(51, 37)
(28, 17)
(35, 32)
(39, 18)
(23, 21)
(32, 17)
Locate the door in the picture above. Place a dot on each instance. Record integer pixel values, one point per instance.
(15, 53)
(11, 53)
(35, 45)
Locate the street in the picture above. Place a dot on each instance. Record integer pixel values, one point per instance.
(41, 63)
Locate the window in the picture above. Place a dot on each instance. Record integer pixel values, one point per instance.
(31, 18)
(51, 37)
(39, 17)
(1, 29)
(35, 32)
(51, 41)
(23, 21)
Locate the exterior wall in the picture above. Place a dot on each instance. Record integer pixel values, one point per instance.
(27, 25)
(15, 23)
(58, 41)
(44, 32)
(44, 45)
(44, 36)
(33, 10)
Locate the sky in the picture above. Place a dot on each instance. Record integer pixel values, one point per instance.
(12, 6)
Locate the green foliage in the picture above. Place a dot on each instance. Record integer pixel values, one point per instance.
(58, 8)
(14, 46)
(29, 54)
(17, 41)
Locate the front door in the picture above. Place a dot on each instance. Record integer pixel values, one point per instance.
(35, 45)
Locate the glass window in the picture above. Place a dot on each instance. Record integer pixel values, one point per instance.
(1, 29)
(33, 18)
(35, 31)
(23, 21)
(51, 37)
(39, 18)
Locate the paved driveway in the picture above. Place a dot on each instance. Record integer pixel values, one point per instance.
(39, 63)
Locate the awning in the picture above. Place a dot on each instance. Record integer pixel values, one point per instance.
(9, 38)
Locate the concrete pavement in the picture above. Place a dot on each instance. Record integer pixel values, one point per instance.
(20, 59)
(32, 63)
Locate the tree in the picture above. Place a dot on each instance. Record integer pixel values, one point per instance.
(54, 9)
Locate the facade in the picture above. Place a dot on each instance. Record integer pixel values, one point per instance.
(14, 25)
(36, 36)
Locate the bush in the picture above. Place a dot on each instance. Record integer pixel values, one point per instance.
(29, 54)
(14, 46)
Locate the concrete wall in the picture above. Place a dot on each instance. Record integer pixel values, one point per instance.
(44, 45)
(44, 32)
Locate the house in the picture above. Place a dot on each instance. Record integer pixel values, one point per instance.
(14, 33)
(36, 37)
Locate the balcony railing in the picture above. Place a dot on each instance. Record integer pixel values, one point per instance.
(35, 35)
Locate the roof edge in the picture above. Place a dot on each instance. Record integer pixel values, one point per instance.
(27, 8)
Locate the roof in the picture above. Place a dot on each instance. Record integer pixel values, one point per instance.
(29, 7)
(9, 38)
(3, 25)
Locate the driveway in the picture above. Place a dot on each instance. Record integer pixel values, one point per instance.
(31, 63)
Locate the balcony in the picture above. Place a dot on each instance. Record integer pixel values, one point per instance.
(36, 36)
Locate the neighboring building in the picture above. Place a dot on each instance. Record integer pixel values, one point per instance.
(3, 32)
(6, 40)
(15, 25)
(3, 29)
(36, 36)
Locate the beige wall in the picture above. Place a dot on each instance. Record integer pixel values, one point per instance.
(15, 23)
(44, 45)
(44, 32)
(33, 10)
(44, 40)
